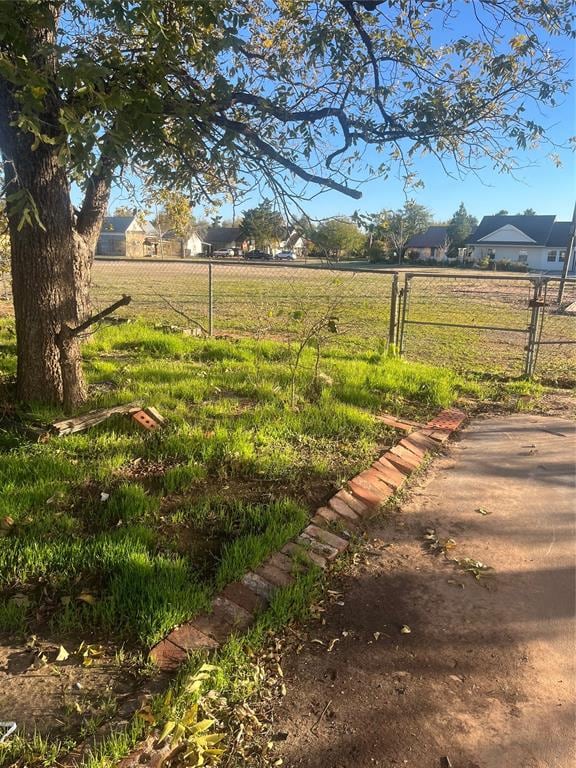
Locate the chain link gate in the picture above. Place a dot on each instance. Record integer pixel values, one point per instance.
(449, 319)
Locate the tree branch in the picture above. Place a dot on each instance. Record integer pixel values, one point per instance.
(267, 150)
(97, 195)
(69, 333)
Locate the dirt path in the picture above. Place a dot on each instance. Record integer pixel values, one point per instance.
(485, 678)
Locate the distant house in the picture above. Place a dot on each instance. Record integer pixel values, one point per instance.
(130, 237)
(294, 242)
(173, 246)
(127, 237)
(225, 238)
(431, 244)
(539, 242)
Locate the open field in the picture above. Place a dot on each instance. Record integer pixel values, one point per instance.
(271, 301)
(278, 302)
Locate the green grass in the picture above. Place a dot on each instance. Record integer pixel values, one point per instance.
(150, 524)
(259, 301)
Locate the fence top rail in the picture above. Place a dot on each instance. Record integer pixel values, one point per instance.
(492, 276)
(243, 263)
(440, 273)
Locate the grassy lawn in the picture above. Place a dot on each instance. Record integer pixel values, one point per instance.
(259, 301)
(235, 472)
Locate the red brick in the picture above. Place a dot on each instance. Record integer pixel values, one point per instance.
(389, 477)
(244, 597)
(274, 575)
(392, 421)
(342, 509)
(392, 474)
(299, 553)
(373, 485)
(167, 656)
(359, 507)
(327, 515)
(327, 537)
(189, 638)
(372, 475)
(365, 495)
(317, 546)
(437, 435)
(422, 441)
(145, 420)
(407, 455)
(217, 624)
(235, 614)
(257, 584)
(400, 463)
(284, 563)
(449, 419)
(413, 447)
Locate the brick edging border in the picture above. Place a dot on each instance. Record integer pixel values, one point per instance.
(234, 609)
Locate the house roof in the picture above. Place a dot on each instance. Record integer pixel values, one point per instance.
(559, 236)
(222, 235)
(118, 225)
(434, 237)
(537, 228)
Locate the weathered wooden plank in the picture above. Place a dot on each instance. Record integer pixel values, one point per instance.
(79, 423)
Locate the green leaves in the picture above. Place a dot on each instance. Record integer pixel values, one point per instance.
(161, 81)
(21, 204)
(263, 225)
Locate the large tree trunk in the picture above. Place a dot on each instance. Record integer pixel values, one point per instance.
(50, 274)
(51, 252)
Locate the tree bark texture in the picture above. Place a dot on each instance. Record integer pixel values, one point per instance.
(51, 257)
(50, 279)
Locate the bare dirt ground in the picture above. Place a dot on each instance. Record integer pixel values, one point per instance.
(485, 677)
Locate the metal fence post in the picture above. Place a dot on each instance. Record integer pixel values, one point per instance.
(392, 335)
(210, 299)
(402, 323)
(536, 304)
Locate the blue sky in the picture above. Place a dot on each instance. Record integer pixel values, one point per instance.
(537, 183)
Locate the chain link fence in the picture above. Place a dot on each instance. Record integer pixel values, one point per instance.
(472, 323)
(261, 300)
(499, 324)
(555, 356)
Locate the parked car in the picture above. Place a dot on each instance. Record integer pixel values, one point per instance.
(285, 256)
(223, 253)
(255, 254)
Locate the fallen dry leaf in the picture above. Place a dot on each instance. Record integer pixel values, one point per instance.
(62, 654)
(86, 597)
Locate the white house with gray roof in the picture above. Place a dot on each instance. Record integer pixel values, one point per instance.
(539, 242)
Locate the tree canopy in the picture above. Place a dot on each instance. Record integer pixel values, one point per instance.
(264, 226)
(171, 212)
(460, 227)
(395, 228)
(228, 96)
(207, 96)
(338, 238)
